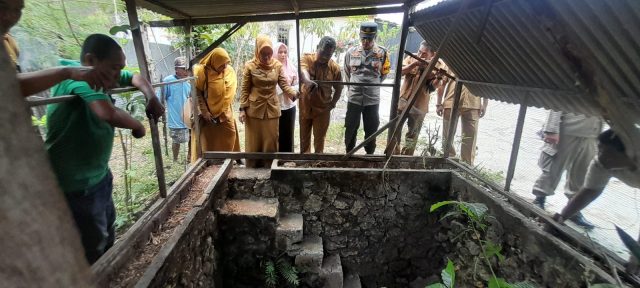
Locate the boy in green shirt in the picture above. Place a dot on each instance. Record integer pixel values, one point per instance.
(80, 136)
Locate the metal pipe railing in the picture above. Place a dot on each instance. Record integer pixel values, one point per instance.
(33, 101)
(354, 83)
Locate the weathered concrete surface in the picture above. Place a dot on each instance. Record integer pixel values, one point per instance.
(247, 230)
(289, 231)
(310, 254)
(332, 274)
(352, 280)
(248, 183)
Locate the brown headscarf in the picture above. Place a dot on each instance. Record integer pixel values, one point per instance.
(264, 42)
(221, 86)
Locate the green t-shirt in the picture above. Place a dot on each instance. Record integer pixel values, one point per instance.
(78, 142)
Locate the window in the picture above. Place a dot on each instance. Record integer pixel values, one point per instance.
(283, 34)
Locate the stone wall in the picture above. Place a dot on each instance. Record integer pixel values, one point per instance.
(529, 252)
(380, 225)
(189, 258)
(377, 222)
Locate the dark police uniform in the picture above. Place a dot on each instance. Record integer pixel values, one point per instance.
(364, 66)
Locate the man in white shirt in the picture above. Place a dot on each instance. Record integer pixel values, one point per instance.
(611, 161)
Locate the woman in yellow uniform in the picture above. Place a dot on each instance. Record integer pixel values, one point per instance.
(216, 85)
(259, 103)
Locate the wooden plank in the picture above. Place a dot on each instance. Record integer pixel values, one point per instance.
(289, 156)
(395, 96)
(423, 78)
(215, 185)
(278, 17)
(298, 49)
(216, 43)
(141, 55)
(217, 182)
(110, 264)
(158, 261)
(371, 138)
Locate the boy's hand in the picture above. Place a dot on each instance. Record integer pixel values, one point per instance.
(154, 109)
(139, 131)
(98, 80)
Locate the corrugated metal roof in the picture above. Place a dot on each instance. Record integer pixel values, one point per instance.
(179, 9)
(587, 52)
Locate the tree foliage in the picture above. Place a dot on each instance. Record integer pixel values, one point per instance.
(46, 21)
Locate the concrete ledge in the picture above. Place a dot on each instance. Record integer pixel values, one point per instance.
(311, 254)
(352, 280)
(110, 263)
(289, 231)
(332, 272)
(267, 207)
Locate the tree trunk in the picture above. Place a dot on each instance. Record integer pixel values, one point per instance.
(39, 245)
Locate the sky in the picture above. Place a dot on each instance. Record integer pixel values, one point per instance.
(397, 17)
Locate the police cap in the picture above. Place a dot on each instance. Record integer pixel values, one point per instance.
(368, 30)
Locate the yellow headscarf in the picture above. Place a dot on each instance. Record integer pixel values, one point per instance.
(221, 86)
(263, 42)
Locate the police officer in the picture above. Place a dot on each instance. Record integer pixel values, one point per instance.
(366, 63)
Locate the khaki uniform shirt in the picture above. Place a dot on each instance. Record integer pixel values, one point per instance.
(363, 66)
(318, 102)
(411, 79)
(259, 98)
(467, 100)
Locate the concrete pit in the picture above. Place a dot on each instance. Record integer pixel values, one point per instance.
(358, 224)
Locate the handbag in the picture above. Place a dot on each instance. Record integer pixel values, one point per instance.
(187, 115)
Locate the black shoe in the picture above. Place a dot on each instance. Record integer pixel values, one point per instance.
(540, 201)
(581, 221)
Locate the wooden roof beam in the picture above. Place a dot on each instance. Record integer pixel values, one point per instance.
(278, 17)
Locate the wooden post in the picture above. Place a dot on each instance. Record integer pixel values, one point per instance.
(423, 77)
(40, 244)
(164, 121)
(136, 33)
(298, 51)
(395, 96)
(194, 93)
(371, 138)
(516, 144)
(453, 120)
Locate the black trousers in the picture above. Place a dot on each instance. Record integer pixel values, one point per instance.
(370, 119)
(95, 215)
(285, 130)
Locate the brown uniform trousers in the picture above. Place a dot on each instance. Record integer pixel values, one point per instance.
(469, 122)
(319, 126)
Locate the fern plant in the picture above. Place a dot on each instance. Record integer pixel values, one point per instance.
(280, 271)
